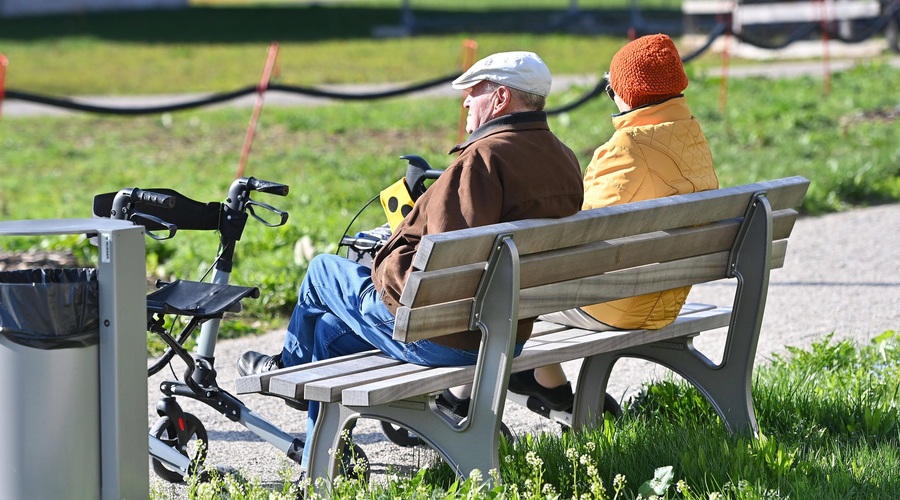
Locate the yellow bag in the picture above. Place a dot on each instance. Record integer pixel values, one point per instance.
(397, 203)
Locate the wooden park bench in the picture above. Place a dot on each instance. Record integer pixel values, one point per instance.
(489, 277)
(786, 12)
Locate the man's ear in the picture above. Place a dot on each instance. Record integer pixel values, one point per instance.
(504, 100)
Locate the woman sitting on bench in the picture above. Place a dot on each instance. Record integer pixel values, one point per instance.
(657, 150)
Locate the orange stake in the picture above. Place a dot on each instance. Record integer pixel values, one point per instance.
(257, 108)
(726, 47)
(470, 47)
(4, 62)
(826, 67)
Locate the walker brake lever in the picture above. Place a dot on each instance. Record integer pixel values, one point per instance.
(143, 219)
(280, 213)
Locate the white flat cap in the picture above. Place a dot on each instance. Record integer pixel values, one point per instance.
(523, 71)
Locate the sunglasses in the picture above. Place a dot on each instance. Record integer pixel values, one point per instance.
(609, 90)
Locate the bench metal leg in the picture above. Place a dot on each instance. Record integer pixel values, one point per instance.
(328, 435)
(590, 390)
(465, 446)
(726, 387)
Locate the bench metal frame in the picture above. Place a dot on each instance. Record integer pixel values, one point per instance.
(725, 385)
(495, 314)
(512, 285)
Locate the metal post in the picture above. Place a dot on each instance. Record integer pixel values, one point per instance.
(123, 378)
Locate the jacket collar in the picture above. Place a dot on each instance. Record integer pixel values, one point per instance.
(514, 121)
(670, 110)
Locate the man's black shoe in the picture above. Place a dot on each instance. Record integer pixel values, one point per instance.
(252, 363)
(557, 399)
(452, 404)
(459, 408)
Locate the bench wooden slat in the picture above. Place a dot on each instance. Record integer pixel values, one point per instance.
(452, 317)
(543, 328)
(577, 343)
(426, 288)
(329, 390)
(467, 246)
(796, 12)
(291, 384)
(694, 7)
(535, 354)
(566, 334)
(259, 382)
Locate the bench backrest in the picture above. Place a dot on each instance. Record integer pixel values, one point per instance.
(597, 255)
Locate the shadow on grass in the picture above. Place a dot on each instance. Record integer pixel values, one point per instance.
(316, 22)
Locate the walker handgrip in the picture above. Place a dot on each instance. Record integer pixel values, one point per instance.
(125, 199)
(152, 198)
(267, 187)
(416, 172)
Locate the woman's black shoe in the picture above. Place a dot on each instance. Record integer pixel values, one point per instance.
(558, 399)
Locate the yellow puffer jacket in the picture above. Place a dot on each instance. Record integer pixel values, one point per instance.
(656, 151)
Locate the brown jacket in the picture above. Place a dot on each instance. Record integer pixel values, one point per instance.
(511, 168)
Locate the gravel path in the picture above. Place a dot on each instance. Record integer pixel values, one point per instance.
(841, 275)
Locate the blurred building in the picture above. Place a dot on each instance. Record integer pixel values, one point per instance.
(11, 8)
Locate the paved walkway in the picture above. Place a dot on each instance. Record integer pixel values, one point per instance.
(841, 275)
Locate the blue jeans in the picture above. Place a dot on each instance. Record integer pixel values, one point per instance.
(339, 312)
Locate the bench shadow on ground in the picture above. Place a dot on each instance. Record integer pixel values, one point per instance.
(416, 457)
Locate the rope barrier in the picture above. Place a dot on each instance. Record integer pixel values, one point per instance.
(720, 29)
(597, 90)
(66, 103)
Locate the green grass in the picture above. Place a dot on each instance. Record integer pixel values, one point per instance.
(828, 415)
(829, 422)
(218, 48)
(100, 67)
(336, 157)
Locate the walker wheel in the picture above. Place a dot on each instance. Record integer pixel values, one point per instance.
(195, 449)
(400, 436)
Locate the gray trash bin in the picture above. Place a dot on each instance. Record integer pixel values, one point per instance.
(49, 384)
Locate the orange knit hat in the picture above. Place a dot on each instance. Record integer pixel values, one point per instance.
(647, 70)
